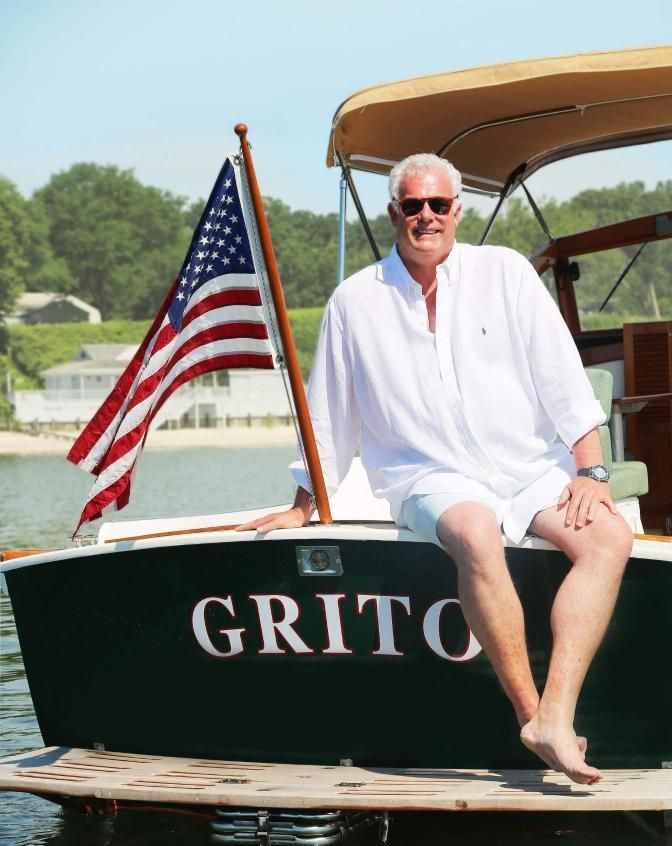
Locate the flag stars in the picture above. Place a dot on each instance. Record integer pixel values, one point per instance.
(183, 280)
(208, 226)
(215, 255)
(228, 200)
(232, 250)
(227, 183)
(221, 242)
(226, 260)
(180, 295)
(227, 231)
(198, 268)
(234, 219)
(194, 282)
(241, 259)
(208, 268)
(204, 240)
(211, 212)
(200, 255)
(239, 239)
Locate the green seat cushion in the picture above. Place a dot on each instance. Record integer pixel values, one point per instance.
(628, 478)
(602, 383)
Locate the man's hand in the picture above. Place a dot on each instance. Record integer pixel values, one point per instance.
(583, 497)
(293, 518)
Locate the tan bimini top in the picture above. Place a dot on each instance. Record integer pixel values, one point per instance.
(504, 121)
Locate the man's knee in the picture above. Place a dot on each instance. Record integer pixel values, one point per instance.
(621, 537)
(471, 535)
(610, 541)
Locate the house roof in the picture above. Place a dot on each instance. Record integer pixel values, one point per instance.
(36, 300)
(94, 359)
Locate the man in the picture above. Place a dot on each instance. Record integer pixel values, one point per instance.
(452, 369)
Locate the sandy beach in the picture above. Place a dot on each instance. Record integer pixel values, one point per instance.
(18, 443)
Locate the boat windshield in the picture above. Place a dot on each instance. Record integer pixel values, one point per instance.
(596, 189)
(619, 185)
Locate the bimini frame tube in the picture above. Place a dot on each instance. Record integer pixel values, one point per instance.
(358, 205)
(506, 190)
(343, 188)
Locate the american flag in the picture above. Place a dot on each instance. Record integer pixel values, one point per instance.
(211, 319)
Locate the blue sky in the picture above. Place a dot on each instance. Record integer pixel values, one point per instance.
(157, 85)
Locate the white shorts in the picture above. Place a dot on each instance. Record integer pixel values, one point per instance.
(421, 512)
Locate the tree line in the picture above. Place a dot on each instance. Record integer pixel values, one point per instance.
(97, 232)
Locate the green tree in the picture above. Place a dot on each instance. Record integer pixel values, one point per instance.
(16, 230)
(122, 242)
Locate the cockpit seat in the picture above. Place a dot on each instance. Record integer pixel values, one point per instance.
(628, 478)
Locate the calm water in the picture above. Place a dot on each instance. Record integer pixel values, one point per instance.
(40, 499)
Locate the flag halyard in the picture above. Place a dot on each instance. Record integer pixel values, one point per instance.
(212, 318)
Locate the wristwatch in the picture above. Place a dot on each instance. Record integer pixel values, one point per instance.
(598, 472)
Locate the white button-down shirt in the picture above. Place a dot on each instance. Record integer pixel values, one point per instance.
(473, 408)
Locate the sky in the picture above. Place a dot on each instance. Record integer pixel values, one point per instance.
(157, 85)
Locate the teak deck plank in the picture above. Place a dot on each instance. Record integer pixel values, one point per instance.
(60, 771)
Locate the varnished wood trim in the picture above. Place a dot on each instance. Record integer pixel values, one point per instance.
(195, 531)
(12, 554)
(665, 538)
(644, 398)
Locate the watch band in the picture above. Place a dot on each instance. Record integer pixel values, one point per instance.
(597, 471)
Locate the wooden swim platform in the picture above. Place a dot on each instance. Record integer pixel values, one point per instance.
(58, 772)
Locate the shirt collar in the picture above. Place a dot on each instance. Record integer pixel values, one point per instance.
(402, 278)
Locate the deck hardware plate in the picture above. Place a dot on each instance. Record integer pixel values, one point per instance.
(319, 561)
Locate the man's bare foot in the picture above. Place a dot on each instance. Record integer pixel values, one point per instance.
(561, 749)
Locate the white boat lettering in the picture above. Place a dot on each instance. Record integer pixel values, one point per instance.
(278, 614)
(270, 628)
(235, 636)
(431, 629)
(332, 619)
(383, 605)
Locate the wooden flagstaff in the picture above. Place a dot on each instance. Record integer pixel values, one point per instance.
(286, 336)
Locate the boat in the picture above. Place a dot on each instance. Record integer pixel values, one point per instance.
(343, 645)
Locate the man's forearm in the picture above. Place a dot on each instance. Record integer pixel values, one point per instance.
(303, 501)
(588, 450)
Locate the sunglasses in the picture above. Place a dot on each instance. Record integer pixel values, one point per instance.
(414, 205)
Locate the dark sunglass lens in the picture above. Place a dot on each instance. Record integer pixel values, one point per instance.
(440, 205)
(411, 207)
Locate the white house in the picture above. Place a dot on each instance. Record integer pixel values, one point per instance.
(73, 391)
(42, 307)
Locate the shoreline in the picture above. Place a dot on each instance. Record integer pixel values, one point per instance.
(58, 443)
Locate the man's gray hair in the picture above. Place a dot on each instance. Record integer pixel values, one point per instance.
(421, 163)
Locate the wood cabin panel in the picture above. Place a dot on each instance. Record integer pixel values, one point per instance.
(648, 370)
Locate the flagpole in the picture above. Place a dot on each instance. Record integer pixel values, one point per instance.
(289, 350)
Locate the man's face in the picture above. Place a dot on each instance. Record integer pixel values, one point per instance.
(425, 238)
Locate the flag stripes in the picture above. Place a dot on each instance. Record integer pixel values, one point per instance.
(211, 319)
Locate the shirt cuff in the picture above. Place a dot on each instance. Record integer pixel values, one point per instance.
(300, 476)
(576, 423)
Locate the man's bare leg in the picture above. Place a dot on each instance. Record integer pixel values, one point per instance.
(470, 534)
(581, 611)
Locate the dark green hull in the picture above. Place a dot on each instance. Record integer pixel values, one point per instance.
(112, 658)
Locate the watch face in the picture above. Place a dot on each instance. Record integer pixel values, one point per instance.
(600, 473)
